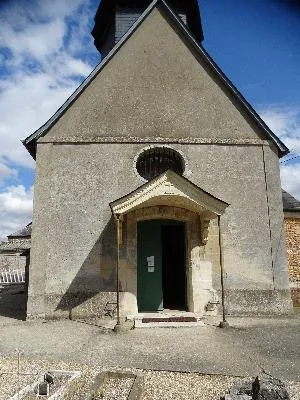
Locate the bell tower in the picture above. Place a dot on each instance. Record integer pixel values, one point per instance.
(115, 17)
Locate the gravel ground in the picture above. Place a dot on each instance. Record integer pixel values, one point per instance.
(293, 389)
(30, 369)
(9, 384)
(158, 384)
(174, 385)
(182, 386)
(117, 388)
(235, 351)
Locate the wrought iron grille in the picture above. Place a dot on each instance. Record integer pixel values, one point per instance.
(154, 162)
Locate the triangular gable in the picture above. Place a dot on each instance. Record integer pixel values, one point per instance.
(170, 189)
(30, 142)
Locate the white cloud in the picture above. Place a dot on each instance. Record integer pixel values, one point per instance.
(58, 8)
(40, 67)
(285, 123)
(45, 51)
(290, 176)
(25, 104)
(32, 40)
(15, 209)
(76, 67)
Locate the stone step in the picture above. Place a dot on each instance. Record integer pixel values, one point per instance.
(164, 314)
(163, 319)
(140, 324)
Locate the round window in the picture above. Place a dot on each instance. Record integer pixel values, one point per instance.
(155, 161)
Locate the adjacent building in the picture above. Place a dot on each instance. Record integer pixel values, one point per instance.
(291, 208)
(12, 251)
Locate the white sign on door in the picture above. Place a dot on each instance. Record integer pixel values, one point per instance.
(150, 261)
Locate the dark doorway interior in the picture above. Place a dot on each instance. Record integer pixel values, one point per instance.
(173, 261)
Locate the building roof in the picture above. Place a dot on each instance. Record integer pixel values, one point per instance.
(18, 241)
(21, 233)
(289, 202)
(15, 246)
(30, 141)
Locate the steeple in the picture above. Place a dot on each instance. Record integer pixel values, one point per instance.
(115, 17)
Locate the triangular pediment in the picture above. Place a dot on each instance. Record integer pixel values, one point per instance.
(170, 189)
(156, 85)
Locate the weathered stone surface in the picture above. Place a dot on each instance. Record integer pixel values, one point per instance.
(124, 326)
(245, 388)
(240, 392)
(266, 387)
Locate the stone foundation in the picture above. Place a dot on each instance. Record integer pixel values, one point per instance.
(72, 306)
(257, 302)
(97, 305)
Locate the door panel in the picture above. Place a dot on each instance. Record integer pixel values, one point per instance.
(164, 283)
(149, 285)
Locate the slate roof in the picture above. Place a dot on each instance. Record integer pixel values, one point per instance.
(24, 232)
(30, 141)
(289, 202)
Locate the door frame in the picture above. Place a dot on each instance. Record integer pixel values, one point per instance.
(160, 282)
(128, 270)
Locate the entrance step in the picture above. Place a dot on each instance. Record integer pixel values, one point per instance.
(166, 319)
(140, 324)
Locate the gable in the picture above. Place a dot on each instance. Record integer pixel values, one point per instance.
(156, 87)
(170, 189)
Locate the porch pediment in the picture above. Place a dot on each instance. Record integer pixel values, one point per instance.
(170, 189)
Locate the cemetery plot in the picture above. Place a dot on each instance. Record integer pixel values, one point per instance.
(52, 385)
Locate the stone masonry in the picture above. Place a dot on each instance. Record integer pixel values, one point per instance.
(291, 208)
(292, 230)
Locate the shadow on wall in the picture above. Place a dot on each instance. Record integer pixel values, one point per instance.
(96, 275)
(13, 297)
(13, 300)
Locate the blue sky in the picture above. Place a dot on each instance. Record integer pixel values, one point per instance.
(46, 50)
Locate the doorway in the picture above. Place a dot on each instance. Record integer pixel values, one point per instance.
(161, 275)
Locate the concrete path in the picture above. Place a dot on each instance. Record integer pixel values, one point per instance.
(242, 350)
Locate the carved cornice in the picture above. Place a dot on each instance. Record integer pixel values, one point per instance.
(170, 189)
(153, 139)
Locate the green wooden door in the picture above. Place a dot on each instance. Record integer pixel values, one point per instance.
(149, 274)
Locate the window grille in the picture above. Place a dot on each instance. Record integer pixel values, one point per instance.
(155, 161)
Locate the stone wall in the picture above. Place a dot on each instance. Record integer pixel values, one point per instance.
(292, 230)
(73, 252)
(12, 261)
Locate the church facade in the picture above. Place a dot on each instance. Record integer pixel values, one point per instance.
(157, 165)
